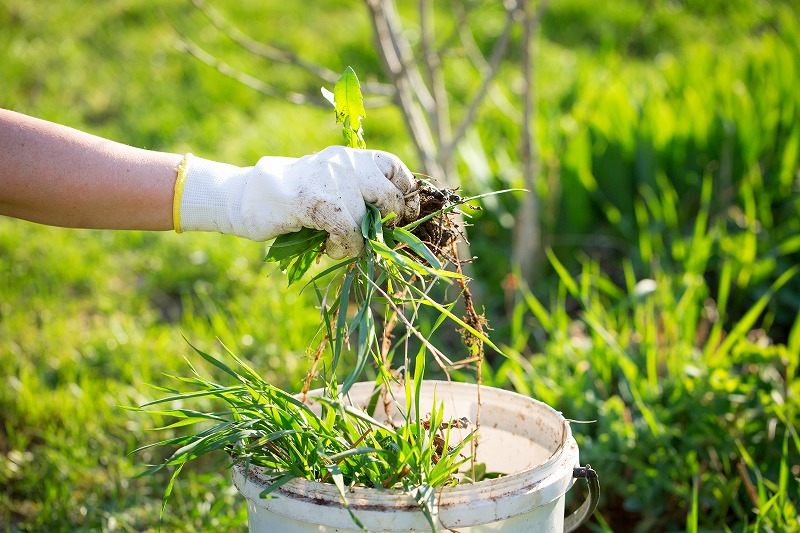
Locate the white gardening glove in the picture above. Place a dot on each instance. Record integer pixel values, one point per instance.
(279, 195)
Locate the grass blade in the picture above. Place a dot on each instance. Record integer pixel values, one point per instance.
(442, 309)
(291, 244)
(168, 490)
(411, 240)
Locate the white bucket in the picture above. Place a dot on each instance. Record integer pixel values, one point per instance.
(520, 436)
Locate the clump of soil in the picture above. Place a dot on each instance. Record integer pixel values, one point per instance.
(439, 232)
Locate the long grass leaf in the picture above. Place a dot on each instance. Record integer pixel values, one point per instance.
(356, 451)
(425, 497)
(356, 413)
(442, 309)
(198, 394)
(749, 319)
(366, 339)
(341, 320)
(536, 307)
(168, 490)
(301, 264)
(338, 481)
(411, 265)
(422, 220)
(167, 442)
(214, 361)
(250, 373)
(337, 267)
(291, 244)
(413, 242)
(566, 278)
(277, 483)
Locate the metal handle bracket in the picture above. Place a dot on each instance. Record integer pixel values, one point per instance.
(582, 514)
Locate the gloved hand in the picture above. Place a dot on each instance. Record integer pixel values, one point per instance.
(279, 195)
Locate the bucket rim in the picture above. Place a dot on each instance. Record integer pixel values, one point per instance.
(550, 479)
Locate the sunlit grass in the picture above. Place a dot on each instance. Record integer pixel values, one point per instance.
(693, 412)
(86, 320)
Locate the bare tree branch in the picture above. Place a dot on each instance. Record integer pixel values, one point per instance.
(187, 45)
(498, 52)
(405, 55)
(261, 49)
(413, 114)
(527, 231)
(279, 55)
(475, 55)
(440, 117)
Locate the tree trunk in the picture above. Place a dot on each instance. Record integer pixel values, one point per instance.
(526, 250)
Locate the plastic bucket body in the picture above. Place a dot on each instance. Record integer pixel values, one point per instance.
(521, 437)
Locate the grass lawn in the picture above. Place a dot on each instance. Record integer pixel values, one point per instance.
(667, 309)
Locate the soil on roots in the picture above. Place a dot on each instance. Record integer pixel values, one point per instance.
(441, 232)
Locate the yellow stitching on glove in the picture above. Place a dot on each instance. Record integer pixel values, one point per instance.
(180, 183)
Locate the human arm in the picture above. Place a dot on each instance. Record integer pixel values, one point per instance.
(60, 176)
(57, 175)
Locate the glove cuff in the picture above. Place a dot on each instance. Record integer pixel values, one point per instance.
(207, 196)
(180, 183)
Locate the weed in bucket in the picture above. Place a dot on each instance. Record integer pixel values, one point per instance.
(414, 447)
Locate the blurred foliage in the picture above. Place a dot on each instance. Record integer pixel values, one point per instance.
(682, 405)
(618, 131)
(669, 134)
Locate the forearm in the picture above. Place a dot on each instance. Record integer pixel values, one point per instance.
(60, 176)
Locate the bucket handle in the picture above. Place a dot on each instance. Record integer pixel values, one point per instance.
(573, 521)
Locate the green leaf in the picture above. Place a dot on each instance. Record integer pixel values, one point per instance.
(300, 265)
(199, 394)
(566, 279)
(411, 240)
(276, 484)
(291, 244)
(251, 374)
(214, 361)
(338, 481)
(168, 490)
(354, 412)
(356, 451)
(439, 307)
(371, 225)
(425, 497)
(366, 338)
(326, 315)
(419, 374)
(746, 322)
(338, 266)
(409, 264)
(348, 99)
(341, 320)
(349, 105)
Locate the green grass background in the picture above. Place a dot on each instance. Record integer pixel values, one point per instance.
(669, 134)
